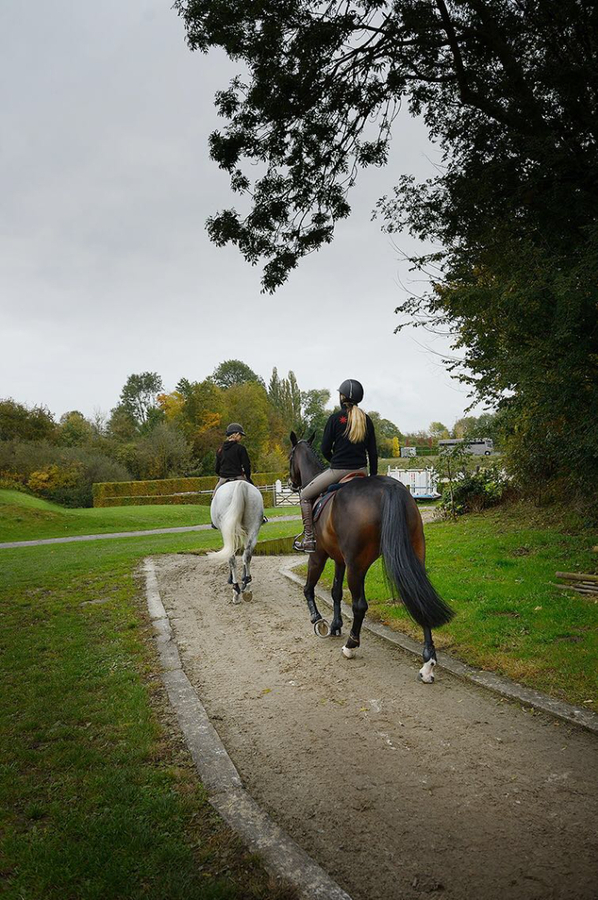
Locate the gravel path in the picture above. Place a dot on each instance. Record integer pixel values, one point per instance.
(397, 789)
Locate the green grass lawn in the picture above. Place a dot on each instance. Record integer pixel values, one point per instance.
(495, 570)
(22, 516)
(98, 797)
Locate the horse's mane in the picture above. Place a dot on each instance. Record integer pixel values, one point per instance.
(313, 455)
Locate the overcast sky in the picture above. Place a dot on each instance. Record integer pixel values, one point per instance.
(105, 265)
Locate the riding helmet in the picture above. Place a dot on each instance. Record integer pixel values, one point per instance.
(352, 390)
(234, 428)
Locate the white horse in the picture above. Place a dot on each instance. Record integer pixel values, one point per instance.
(238, 511)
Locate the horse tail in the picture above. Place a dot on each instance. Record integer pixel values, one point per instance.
(403, 570)
(233, 533)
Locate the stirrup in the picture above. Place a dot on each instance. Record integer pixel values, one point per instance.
(304, 545)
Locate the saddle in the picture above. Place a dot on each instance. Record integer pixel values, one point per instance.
(324, 499)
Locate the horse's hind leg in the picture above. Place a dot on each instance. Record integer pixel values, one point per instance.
(356, 582)
(426, 673)
(232, 579)
(247, 557)
(337, 596)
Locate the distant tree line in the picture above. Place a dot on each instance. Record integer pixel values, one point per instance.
(152, 433)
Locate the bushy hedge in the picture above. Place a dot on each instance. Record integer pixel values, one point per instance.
(167, 490)
(476, 491)
(158, 500)
(62, 474)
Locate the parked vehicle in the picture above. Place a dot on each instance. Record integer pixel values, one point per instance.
(408, 452)
(477, 446)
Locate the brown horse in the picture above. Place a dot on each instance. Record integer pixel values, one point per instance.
(368, 518)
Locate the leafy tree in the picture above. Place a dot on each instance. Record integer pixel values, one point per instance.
(509, 92)
(248, 404)
(232, 372)
(438, 431)
(122, 426)
(75, 430)
(163, 453)
(138, 397)
(286, 398)
(27, 424)
(201, 416)
(315, 413)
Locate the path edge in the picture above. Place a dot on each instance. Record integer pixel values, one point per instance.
(280, 854)
(512, 690)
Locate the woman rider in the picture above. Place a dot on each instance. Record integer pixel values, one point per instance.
(349, 441)
(232, 459)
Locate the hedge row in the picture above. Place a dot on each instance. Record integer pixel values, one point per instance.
(165, 490)
(157, 500)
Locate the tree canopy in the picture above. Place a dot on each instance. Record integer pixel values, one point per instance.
(509, 93)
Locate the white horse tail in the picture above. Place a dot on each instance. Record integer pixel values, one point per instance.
(233, 533)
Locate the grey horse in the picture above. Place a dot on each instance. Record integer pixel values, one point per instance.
(237, 510)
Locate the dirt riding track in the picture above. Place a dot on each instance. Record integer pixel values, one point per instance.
(397, 789)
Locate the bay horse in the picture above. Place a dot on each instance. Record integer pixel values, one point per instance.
(237, 509)
(367, 518)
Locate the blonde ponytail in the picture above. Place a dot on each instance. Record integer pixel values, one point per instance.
(356, 424)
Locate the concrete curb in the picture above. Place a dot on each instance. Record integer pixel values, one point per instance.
(503, 686)
(280, 854)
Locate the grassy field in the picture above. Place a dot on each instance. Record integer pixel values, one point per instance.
(98, 797)
(22, 515)
(495, 569)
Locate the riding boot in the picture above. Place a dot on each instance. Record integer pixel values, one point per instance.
(308, 543)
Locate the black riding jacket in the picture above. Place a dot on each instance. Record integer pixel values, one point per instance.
(341, 453)
(232, 460)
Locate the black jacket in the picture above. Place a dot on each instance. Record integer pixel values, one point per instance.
(341, 453)
(232, 460)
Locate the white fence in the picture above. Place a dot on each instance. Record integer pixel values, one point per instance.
(421, 482)
(284, 496)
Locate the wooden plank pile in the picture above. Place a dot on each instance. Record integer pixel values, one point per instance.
(579, 582)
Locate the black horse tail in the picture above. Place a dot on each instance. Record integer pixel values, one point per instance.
(403, 570)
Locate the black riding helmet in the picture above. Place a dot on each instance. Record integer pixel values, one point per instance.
(234, 428)
(352, 390)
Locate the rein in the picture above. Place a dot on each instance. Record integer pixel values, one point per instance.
(312, 457)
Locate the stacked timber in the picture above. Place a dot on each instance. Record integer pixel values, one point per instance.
(579, 582)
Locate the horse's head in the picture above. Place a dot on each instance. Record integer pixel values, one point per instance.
(300, 451)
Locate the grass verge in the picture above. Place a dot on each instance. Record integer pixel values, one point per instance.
(495, 570)
(98, 797)
(23, 517)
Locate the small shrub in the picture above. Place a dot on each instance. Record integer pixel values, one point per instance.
(475, 491)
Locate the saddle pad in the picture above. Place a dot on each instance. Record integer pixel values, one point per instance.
(330, 491)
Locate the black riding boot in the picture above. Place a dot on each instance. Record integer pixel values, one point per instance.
(308, 543)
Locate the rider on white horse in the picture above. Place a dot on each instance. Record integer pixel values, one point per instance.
(232, 458)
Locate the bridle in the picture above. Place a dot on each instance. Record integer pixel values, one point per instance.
(292, 485)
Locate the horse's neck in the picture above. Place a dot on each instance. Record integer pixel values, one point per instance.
(309, 469)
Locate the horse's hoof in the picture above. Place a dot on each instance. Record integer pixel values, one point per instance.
(426, 673)
(348, 652)
(236, 597)
(247, 595)
(321, 628)
(335, 632)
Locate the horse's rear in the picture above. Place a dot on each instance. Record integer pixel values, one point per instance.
(237, 509)
(374, 517)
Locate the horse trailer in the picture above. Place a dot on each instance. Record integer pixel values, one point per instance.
(476, 446)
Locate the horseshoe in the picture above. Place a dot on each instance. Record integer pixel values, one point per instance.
(322, 628)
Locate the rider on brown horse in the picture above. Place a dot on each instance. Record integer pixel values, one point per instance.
(349, 441)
